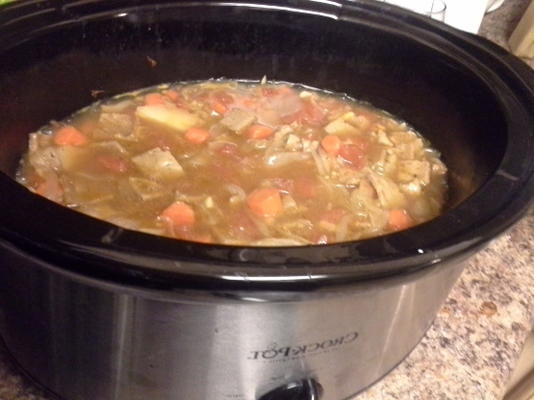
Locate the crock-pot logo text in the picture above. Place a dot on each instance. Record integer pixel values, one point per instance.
(273, 352)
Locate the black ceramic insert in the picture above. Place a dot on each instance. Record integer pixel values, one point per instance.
(472, 100)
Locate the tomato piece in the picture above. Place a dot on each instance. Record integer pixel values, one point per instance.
(313, 115)
(353, 155)
(173, 95)
(242, 227)
(51, 189)
(275, 91)
(305, 188)
(219, 101)
(284, 184)
(333, 216)
(112, 163)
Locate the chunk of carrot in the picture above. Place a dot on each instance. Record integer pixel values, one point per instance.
(154, 99)
(331, 144)
(219, 107)
(399, 220)
(219, 101)
(265, 202)
(257, 131)
(179, 214)
(69, 136)
(197, 135)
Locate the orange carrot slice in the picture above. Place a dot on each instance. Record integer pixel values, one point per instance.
(154, 99)
(257, 131)
(69, 136)
(331, 144)
(179, 214)
(265, 202)
(399, 220)
(197, 135)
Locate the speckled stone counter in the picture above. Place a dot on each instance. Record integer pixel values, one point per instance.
(475, 341)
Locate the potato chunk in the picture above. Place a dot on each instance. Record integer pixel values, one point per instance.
(341, 126)
(158, 164)
(169, 117)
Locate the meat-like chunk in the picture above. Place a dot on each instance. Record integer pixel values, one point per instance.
(158, 164)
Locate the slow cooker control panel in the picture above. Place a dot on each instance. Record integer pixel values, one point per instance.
(306, 389)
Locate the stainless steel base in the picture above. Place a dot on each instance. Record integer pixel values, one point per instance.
(85, 339)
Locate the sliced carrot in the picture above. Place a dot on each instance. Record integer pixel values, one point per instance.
(257, 131)
(219, 107)
(331, 144)
(69, 136)
(399, 220)
(265, 202)
(179, 214)
(154, 99)
(197, 135)
(219, 102)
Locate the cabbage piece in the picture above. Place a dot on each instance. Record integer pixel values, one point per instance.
(113, 125)
(45, 159)
(388, 192)
(340, 127)
(158, 164)
(344, 125)
(146, 189)
(111, 147)
(71, 157)
(284, 158)
(414, 170)
(170, 117)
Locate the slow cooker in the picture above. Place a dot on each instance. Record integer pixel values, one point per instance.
(93, 311)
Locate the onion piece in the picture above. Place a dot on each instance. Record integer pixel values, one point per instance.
(342, 228)
(117, 107)
(238, 194)
(280, 159)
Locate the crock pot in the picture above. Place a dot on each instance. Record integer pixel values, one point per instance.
(93, 311)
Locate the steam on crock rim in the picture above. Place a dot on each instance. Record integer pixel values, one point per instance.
(97, 249)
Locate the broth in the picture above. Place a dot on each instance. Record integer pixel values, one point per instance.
(239, 163)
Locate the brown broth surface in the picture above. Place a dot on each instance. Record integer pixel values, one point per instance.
(264, 164)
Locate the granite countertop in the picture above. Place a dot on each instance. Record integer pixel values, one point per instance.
(475, 341)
